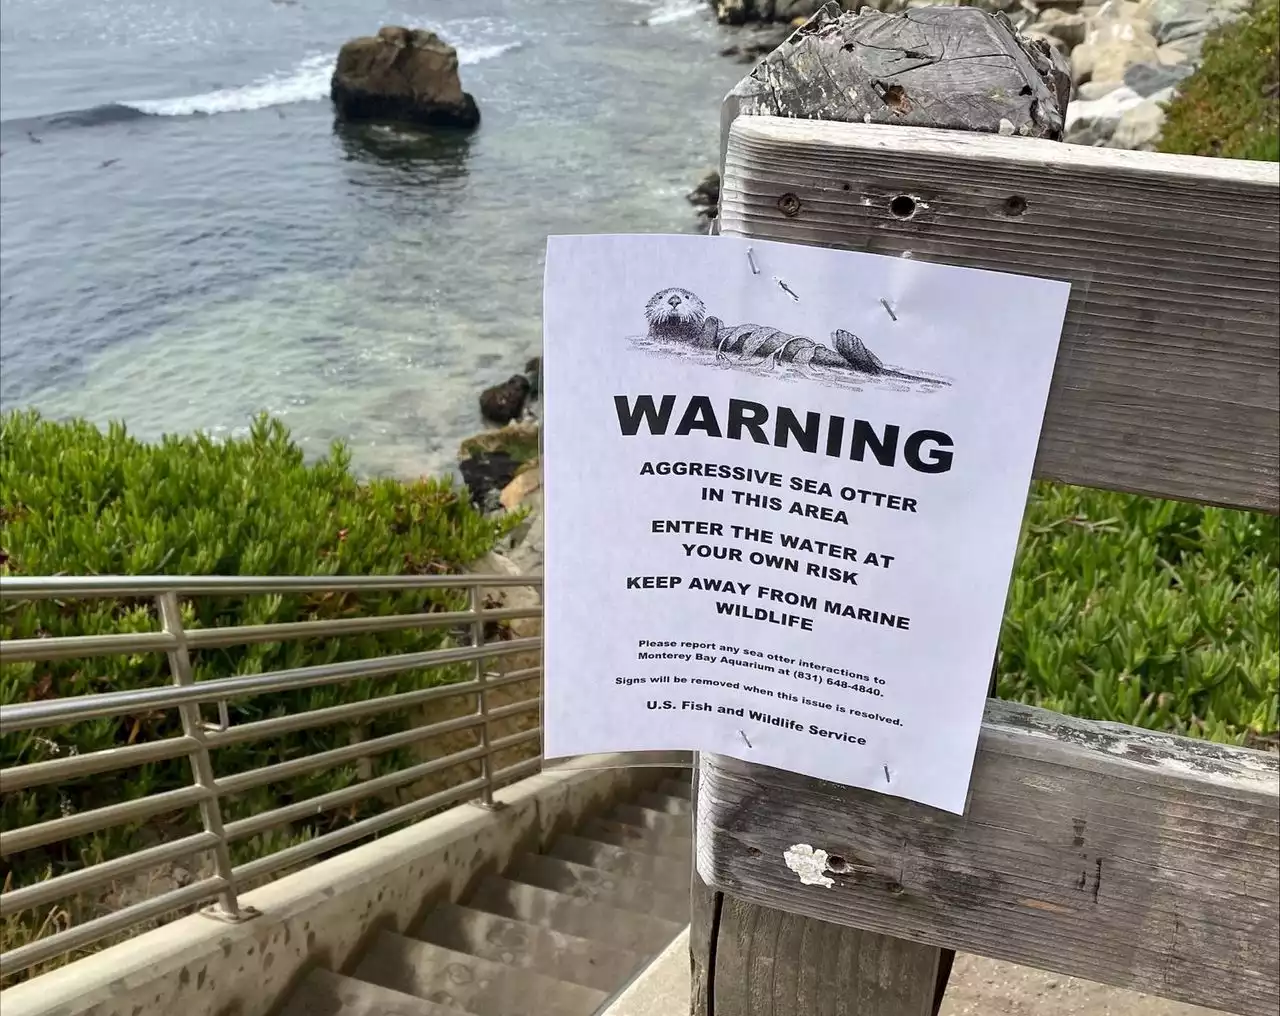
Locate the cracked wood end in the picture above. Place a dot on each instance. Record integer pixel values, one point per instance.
(955, 68)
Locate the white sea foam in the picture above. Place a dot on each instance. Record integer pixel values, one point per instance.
(307, 82)
(674, 10)
(475, 54)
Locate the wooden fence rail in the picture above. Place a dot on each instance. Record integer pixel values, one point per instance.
(1117, 854)
(1103, 851)
(1168, 374)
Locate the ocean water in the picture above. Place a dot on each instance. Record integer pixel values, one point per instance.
(187, 237)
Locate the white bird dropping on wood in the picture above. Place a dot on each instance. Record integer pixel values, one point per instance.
(809, 864)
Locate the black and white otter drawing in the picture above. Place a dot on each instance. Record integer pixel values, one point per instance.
(678, 317)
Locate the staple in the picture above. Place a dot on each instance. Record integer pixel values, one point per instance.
(786, 289)
(744, 737)
(886, 773)
(888, 310)
(751, 260)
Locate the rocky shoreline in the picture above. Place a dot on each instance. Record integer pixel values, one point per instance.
(491, 461)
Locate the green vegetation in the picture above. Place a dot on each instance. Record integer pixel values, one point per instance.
(75, 500)
(1155, 613)
(1231, 106)
(1149, 612)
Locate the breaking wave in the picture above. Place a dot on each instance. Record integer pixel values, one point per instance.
(675, 10)
(306, 82)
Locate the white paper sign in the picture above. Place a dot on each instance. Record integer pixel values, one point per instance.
(784, 487)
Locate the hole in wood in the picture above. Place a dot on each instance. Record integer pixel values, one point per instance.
(789, 204)
(893, 96)
(846, 186)
(903, 206)
(837, 864)
(1015, 205)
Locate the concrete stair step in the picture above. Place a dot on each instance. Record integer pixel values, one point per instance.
(658, 821)
(670, 873)
(470, 983)
(322, 993)
(587, 883)
(666, 803)
(621, 929)
(648, 841)
(682, 787)
(528, 946)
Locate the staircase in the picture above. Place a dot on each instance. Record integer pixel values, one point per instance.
(558, 934)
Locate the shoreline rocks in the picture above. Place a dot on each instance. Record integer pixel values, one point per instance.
(1128, 58)
(755, 44)
(741, 12)
(705, 197)
(522, 552)
(502, 403)
(490, 460)
(402, 74)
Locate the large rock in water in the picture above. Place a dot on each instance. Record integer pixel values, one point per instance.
(402, 74)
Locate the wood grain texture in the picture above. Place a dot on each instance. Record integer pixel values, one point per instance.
(957, 68)
(960, 68)
(704, 922)
(1111, 853)
(1167, 377)
(773, 963)
(749, 960)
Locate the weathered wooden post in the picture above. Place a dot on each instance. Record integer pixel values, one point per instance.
(1111, 853)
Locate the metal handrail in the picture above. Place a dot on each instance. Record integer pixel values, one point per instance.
(76, 646)
(111, 586)
(198, 738)
(29, 715)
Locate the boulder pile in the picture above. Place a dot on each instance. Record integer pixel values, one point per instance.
(1127, 59)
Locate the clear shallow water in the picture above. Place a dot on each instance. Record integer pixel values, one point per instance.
(187, 237)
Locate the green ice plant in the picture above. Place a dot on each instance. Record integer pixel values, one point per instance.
(77, 500)
(1155, 613)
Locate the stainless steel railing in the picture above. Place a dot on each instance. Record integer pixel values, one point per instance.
(199, 738)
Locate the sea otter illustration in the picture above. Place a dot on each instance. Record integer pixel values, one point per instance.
(679, 316)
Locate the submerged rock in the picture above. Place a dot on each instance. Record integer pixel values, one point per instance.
(404, 74)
